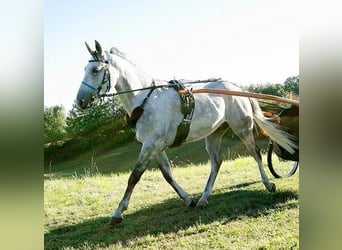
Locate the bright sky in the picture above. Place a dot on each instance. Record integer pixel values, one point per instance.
(250, 41)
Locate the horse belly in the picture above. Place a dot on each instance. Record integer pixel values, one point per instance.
(208, 116)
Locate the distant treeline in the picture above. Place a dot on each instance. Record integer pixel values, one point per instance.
(95, 129)
(102, 126)
(290, 88)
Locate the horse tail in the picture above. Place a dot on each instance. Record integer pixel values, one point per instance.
(274, 131)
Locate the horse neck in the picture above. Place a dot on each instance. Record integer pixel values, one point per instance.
(130, 78)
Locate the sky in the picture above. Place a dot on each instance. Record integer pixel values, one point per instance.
(245, 42)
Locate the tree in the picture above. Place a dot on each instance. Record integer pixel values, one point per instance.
(270, 89)
(83, 121)
(54, 123)
(98, 128)
(291, 84)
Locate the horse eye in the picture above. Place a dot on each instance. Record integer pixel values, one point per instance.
(96, 70)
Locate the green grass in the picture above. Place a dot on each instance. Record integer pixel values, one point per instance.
(123, 158)
(241, 214)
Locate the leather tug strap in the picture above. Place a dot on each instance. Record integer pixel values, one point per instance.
(137, 112)
(187, 109)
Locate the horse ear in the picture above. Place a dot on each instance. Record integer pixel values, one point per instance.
(89, 49)
(98, 48)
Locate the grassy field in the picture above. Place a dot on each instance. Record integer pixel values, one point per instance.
(123, 158)
(80, 196)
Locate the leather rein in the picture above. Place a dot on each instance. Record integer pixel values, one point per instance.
(106, 81)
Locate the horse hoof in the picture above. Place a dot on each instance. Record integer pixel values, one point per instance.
(202, 204)
(115, 220)
(271, 187)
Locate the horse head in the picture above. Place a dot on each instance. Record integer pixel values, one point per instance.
(96, 80)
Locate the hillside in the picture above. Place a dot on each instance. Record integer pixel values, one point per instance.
(123, 157)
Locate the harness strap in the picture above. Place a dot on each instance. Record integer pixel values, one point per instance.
(138, 111)
(187, 109)
(89, 86)
(134, 90)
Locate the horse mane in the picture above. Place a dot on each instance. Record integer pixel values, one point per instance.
(117, 52)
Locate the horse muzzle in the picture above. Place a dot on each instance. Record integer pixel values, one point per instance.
(84, 102)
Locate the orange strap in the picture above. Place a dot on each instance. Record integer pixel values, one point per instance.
(240, 93)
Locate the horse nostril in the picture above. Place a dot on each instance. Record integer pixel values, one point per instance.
(84, 104)
(81, 103)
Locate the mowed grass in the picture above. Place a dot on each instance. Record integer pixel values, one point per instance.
(241, 214)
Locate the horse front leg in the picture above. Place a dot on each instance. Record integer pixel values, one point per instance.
(137, 172)
(144, 159)
(164, 166)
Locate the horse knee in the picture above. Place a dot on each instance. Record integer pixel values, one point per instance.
(136, 174)
(167, 177)
(216, 161)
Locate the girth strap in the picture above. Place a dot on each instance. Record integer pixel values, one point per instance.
(187, 109)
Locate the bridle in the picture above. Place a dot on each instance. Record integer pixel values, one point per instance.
(105, 79)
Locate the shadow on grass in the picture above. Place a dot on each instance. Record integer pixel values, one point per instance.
(169, 216)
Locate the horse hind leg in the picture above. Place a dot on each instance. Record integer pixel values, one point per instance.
(213, 147)
(247, 137)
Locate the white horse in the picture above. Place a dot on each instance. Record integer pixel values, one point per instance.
(156, 128)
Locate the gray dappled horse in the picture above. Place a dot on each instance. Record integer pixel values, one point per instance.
(161, 115)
